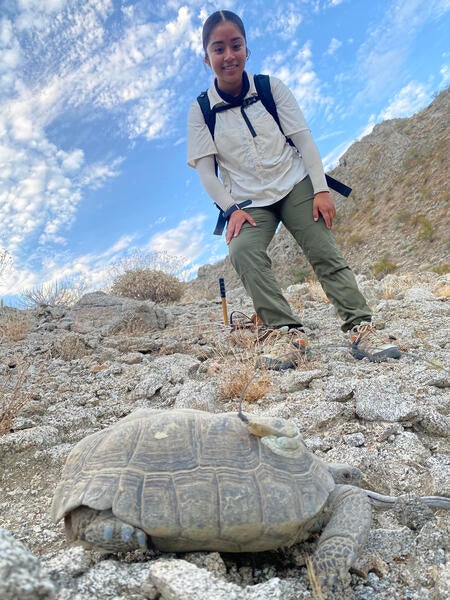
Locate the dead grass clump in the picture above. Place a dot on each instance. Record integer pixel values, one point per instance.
(392, 286)
(442, 289)
(238, 365)
(70, 347)
(132, 326)
(442, 269)
(147, 284)
(234, 379)
(403, 216)
(14, 325)
(355, 239)
(425, 227)
(13, 398)
(234, 359)
(383, 267)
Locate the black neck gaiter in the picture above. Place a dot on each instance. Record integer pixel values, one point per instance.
(235, 100)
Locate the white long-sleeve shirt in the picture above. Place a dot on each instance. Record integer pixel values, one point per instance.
(261, 168)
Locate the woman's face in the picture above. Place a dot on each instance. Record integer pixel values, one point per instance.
(226, 55)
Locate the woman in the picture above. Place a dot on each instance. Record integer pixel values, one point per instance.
(275, 182)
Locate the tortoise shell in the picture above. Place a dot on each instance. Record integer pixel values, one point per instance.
(199, 481)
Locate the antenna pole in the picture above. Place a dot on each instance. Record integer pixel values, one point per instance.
(224, 300)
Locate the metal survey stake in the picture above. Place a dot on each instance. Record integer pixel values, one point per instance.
(224, 300)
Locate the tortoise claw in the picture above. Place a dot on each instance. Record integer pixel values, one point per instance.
(107, 532)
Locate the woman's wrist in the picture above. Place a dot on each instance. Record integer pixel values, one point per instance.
(227, 213)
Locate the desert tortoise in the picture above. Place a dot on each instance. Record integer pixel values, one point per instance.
(184, 480)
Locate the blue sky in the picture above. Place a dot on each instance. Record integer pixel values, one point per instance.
(93, 102)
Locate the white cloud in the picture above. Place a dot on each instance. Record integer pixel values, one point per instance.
(150, 118)
(286, 21)
(59, 56)
(41, 186)
(10, 55)
(445, 77)
(71, 161)
(186, 240)
(407, 101)
(333, 46)
(37, 6)
(295, 68)
(282, 20)
(95, 175)
(332, 158)
(387, 46)
(93, 270)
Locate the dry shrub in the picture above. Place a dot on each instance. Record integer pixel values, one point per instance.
(442, 289)
(147, 284)
(155, 261)
(12, 397)
(231, 357)
(442, 269)
(6, 264)
(70, 347)
(426, 228)
(56, 293)
(383, 266)
(14, 325)
(132, 326)
(235, 378)
(392, 286)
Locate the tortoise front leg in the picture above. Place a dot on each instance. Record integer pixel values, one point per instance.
(344, 536)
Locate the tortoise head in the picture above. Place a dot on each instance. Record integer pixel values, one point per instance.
(346, 474)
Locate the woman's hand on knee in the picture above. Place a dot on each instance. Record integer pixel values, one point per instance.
(235, 222)
(323, 205)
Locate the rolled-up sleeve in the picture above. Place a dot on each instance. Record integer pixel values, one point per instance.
(199, 140)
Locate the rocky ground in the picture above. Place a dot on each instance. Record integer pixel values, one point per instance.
(65, 373)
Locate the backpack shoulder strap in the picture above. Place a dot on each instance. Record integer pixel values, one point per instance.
(262, 85)
(210, 120)
(208, 114)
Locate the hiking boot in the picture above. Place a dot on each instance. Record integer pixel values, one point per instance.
(367, 343)
(285, 348)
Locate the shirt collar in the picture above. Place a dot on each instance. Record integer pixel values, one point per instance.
(216, 100)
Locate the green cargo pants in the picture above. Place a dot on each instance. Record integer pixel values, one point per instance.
(249, 257)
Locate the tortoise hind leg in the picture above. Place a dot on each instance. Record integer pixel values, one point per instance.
(104, 531)
(345, 534)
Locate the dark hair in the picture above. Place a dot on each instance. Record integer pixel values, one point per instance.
(219, 17)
